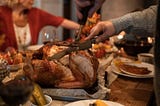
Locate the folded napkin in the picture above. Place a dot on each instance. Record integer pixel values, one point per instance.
(111, 76)
(105, 67)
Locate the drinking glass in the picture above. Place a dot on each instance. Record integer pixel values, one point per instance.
(49, 35)
(117, 42)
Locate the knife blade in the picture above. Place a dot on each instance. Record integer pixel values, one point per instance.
(62, 53)
(81, 46)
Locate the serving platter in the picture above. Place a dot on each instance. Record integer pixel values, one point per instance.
(88, 102)
(126, 61)
(34, 47)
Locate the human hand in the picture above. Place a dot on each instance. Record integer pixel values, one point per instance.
(96, 4)
(103, 30)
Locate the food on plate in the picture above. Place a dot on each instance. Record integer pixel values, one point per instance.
(76, 70)
(134, 69)
(102, 48)
(98, 103)
(12, 56)
(130, 68)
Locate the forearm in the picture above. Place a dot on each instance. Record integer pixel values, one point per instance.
(145, 20)
(70, 24)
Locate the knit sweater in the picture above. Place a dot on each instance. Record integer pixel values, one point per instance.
(145, 20)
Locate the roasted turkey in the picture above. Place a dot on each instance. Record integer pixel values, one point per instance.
(76, 70)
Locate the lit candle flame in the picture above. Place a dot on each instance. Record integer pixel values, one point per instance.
(150, 40)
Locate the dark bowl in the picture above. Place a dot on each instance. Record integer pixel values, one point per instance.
(133, 48)
(16, 91)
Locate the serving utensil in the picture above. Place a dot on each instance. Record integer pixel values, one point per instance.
(78, 46)
(81, 46)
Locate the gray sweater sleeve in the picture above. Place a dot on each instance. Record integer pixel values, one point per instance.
(145, 20)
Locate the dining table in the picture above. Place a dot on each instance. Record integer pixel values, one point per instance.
(128, 91)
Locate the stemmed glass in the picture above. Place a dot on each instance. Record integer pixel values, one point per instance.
(49, 35)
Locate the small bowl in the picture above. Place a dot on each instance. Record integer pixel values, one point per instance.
(146, 57)
(49, 101)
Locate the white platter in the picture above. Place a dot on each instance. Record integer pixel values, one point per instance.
(34, 47)
(87, 102)
(118, 71)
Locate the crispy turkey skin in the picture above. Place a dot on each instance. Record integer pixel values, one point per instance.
(76, 70)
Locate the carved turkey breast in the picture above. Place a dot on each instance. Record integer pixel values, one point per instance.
(76, 70)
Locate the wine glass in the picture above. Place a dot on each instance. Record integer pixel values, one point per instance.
(117, 41)
(49, 35)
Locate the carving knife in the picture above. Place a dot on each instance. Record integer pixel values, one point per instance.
(81, 46)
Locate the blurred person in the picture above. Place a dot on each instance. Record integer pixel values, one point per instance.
(112, 9)
(145, 20)
(24, 22)
(116, 8)
(95, 5)
(142, 20)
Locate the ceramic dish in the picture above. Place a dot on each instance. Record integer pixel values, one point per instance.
(34, 47)
(119, 71)
(49, 101)
(87, 102)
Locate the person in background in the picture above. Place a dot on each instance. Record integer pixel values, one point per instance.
(24, 22)
(95, 5)
(148, 20)
(116, 8)
(145, 20)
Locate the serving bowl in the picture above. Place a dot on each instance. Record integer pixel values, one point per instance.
(16, 91)
(146, 57)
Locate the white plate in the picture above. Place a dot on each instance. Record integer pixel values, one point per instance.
(87, 102)
(116, 70)
(34, 47)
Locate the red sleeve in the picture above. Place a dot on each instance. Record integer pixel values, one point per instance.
(46, 18)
